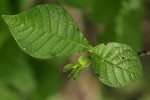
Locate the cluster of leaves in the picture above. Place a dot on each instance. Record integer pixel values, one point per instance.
(47, 31)
(24, 77)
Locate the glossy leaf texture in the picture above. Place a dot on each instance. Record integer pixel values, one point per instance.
(46, 31)
(117, 64)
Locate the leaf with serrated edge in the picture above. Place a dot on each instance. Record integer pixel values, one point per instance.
(117, 64)
(46, 31)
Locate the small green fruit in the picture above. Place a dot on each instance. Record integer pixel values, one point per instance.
(84, 61)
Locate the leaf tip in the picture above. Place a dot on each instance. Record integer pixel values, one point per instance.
(3, 16)
(6, 17)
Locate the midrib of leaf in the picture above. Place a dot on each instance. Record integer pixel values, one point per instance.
(88, 47)
(74, 42)
(115, 64)
(123, 74)
(58, 29)
(61, 38)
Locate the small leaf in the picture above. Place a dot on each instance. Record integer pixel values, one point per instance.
(68, 67)
(76, 72)
(76, 69)
(117, 64)
(46, 31)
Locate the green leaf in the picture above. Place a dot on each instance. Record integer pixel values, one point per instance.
(76, 69)
(68, 67)
(76, 72)
(117, 64)
(46, 31)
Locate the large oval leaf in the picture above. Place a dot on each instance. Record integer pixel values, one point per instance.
(46, 31)
(117, 64)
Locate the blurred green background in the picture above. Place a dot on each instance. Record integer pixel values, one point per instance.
(25, 78)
